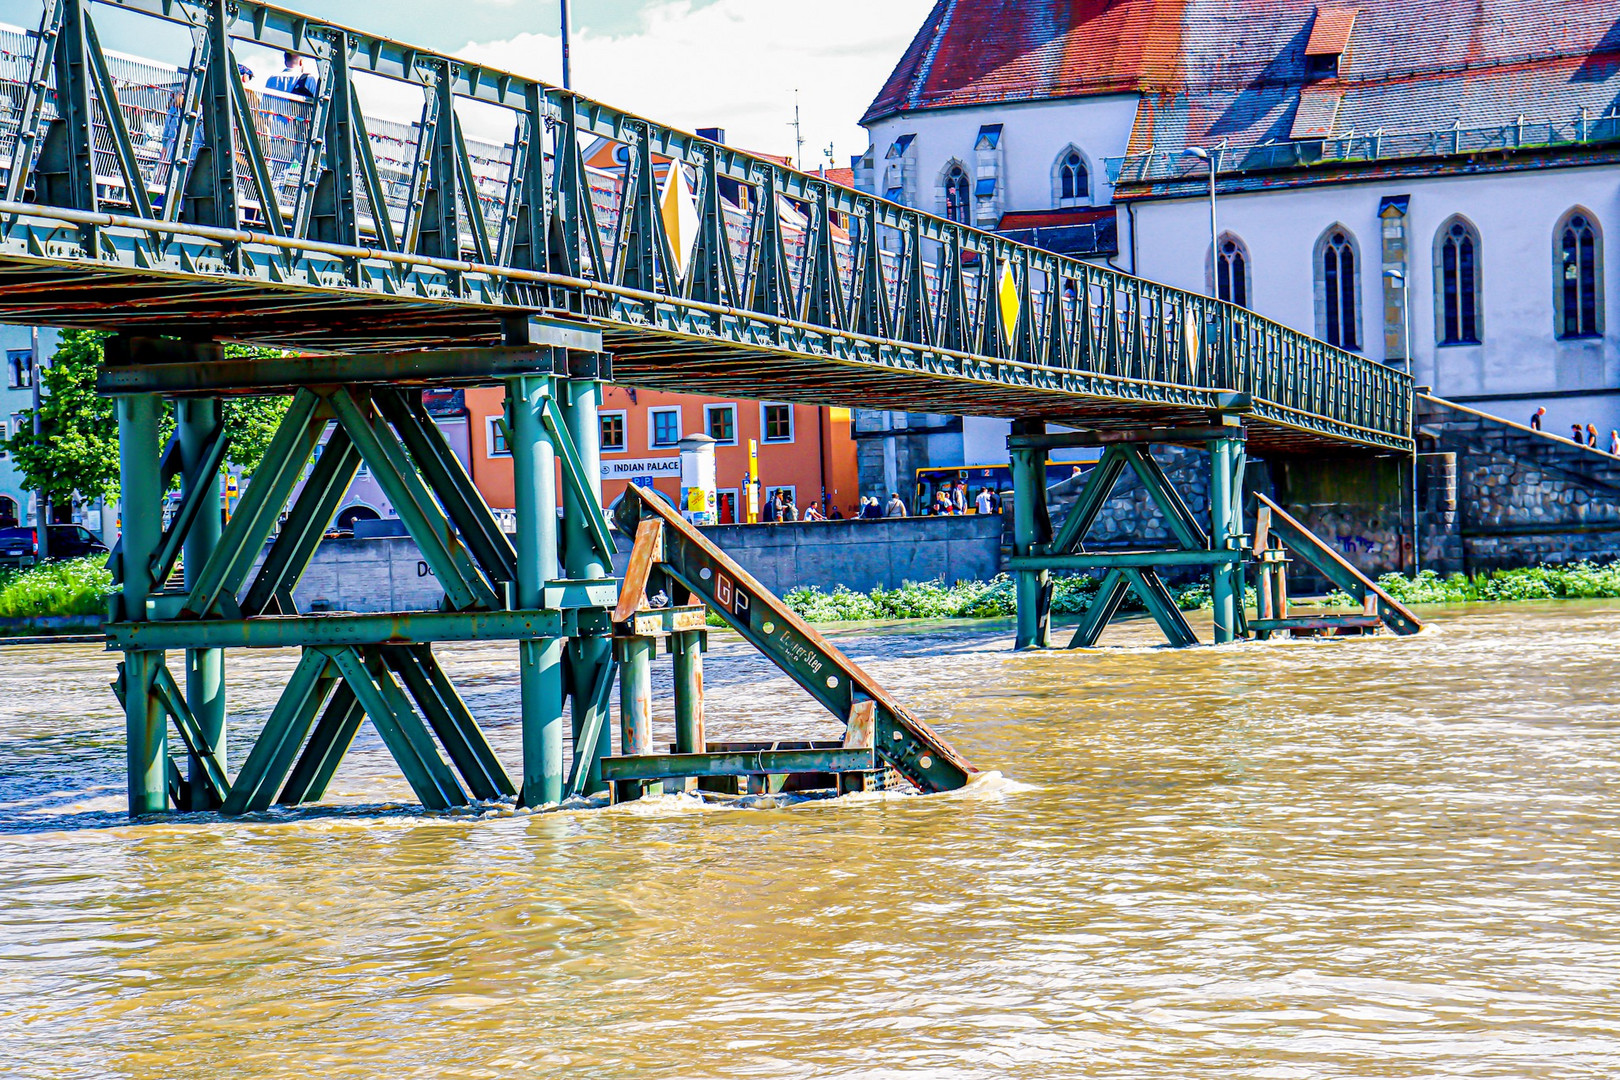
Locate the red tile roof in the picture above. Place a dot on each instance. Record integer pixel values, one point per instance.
(1236, 70)
(974, 52)
(1053, 219)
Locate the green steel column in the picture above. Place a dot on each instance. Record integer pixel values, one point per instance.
(141, 486)
(587, 654)
(540, 662)
(687, 647)
(635, 707)
(199, 421)
(1226, 458)
(1029, 506)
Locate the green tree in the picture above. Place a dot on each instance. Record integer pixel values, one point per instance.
(79, 449)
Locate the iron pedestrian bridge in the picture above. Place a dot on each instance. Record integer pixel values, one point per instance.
(514, 233)
(199, 208)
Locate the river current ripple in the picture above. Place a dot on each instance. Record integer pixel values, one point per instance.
(1391, 858)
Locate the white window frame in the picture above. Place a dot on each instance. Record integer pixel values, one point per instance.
(5, 433)
(624, 426)
(708, 409)
(490, 433)
(768, 492)
(764, 438)
(740, 516)
(652, 427)
(15, 361)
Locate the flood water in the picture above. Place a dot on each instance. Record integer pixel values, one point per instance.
(1390, 858)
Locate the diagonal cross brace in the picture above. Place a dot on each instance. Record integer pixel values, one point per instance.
(448, 479)
(213, 773)
(591, 730)
(578, 483)
(423, 519)
(202, 490)
(307, 520)
(401, 729)
(261, 505)
(1181, 520)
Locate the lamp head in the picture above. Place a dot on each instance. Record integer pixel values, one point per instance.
(1196, 151)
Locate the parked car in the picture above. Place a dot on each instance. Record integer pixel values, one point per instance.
(17, 545)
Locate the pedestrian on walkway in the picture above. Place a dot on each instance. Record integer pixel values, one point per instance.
(942, 504)
(813, 513)
(871, 509)
(1576, 436)
(1535, 421)
(896, 508)
(959, 497)
(1591, 436)
(985, 503)
(1614, 443)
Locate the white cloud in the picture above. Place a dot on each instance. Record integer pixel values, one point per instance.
(736, 64)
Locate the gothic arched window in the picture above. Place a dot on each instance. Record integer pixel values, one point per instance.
(958, 201)
(1457, 269)
(1071, 180)
(1336, 288)
(1231, 271)
(1578, 275)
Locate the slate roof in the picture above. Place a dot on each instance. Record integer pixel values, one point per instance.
(1236, 69)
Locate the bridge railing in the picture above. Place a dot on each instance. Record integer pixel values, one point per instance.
(544, 199)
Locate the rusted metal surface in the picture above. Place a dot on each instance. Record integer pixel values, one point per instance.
(904, 741)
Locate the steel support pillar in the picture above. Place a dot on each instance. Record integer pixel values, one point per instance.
(199, 422)
(1032, 529)
(588, 653)
(687, 648)
(1227, 461)
(540, 662)
(141, 486)
(635, 706)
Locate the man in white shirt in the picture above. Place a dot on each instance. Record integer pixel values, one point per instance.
(896, 508)
(984, 503)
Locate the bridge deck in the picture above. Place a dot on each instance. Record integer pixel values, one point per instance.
(705, 269)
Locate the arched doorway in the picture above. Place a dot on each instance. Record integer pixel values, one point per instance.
(8, 512)
(351, 514)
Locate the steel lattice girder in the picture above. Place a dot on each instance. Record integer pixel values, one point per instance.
(834, 281)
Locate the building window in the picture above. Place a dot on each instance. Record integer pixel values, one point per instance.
(777, 422)
(958, 203)
(666, 426)
(495, 437)
(1579, 276)
(1457, 259)
(612, 432)
(5, 433)
(721, 420)
(1336, 288)
(1072, 181)
(20, 369)
(1231, 271)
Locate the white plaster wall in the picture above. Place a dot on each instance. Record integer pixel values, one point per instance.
(1033, 136)
(1515, 214)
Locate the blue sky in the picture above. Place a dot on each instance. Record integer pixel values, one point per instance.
(691, 63)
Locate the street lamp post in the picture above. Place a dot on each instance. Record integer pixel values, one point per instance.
(42, 498)
(1214, 231)
(568, 68)
(1398, 276)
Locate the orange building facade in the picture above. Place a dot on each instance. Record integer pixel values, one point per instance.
(807, 449)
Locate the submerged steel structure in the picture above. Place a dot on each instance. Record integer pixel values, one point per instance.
(478, 242)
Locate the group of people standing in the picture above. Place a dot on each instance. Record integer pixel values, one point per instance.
(1580, 436)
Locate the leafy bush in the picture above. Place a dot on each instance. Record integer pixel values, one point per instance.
(1579, 581)
(72, 587)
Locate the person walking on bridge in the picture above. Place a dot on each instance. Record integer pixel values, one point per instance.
(1535, 421)
(1614, 443)
(1576, 435)
(896, 508)
(985, 503)
(1591, 436)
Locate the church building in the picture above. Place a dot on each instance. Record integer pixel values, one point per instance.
(1430, 183)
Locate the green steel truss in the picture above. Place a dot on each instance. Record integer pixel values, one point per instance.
(274, 221)
(549, 589)
(1218, 544)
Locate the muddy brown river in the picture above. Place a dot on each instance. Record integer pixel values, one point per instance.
(1391, 858)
